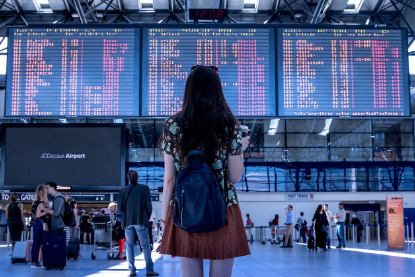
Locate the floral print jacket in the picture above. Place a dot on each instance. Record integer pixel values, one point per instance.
(171, 137)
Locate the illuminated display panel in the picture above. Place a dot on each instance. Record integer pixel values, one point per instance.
(245, 58)
(342, 72)
(73, 71)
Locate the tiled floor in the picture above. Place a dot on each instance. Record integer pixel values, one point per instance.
(265, 260)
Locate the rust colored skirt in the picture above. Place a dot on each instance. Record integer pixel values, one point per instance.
(228, 242)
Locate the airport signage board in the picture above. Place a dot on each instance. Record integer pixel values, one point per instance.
(153, 196)
(396, 234)
(20, 196)
(299, 196)
(30, 197)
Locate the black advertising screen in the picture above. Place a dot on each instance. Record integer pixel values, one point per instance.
(77, 156)
(244, 56)
(342, 72)
(73, 71)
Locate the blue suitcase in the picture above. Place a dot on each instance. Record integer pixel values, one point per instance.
(54, 249)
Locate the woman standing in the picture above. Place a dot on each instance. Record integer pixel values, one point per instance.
(207, 124)
(321, 227)
(73, 230)
(275, 220)
(15, 217)
(41, 201)
(248, 221)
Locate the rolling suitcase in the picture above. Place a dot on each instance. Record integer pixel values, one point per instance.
(29, 251)
(54, 249)
(72, 250)
(310, 243)
(19, 251)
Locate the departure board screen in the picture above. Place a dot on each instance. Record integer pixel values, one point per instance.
(245, 58)
(73, 71)
(342, 72)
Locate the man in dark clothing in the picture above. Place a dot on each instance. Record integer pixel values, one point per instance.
(56, 207)
(134, 203)
(356, 221)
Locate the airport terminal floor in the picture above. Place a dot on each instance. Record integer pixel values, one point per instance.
(265, 260)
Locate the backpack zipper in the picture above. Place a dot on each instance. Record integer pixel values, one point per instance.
(181, 213)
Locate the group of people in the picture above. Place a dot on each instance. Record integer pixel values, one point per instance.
(323, 221)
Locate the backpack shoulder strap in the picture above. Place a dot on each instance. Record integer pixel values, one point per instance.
(128, 195)
(63, 206)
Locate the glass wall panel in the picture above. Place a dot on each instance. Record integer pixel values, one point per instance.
(305, 125)
(306, 140)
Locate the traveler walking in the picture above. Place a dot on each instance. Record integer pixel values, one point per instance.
(206, 124)
(116, 225)
(56, 207)
(41, 201)
(15, 218)
(332, 224)
(86, 227)
(321, 227)
(340, 218)
(302, 223)
(288, 242)
(134, 203)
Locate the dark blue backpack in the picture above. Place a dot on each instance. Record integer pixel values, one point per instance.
(200, 206)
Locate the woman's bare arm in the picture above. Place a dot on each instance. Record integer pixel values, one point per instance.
(169, 183)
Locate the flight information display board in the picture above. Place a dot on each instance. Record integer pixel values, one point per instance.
(73, 71)
(245, 58)
(342, 72)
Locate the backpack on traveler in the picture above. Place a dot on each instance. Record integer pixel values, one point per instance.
(68, 215)
(200, 206)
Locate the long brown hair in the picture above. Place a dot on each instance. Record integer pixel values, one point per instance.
(318, 210)
(205, 115)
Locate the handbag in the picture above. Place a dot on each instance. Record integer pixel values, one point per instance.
(324, 228)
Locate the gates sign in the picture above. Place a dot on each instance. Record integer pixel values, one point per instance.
(299, 197)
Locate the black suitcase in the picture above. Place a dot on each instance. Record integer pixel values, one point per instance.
(54, 249)
(310, 243)
(72, 250)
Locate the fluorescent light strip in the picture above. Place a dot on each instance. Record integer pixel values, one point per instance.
(273, 126)
(326, 128)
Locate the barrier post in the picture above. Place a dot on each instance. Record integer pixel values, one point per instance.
(8, 238)
(31, 233)
(353, 233)
(407, 234)
(379, 236)
(367, 235)
(412, 233)
(344, 233)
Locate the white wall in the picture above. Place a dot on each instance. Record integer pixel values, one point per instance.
(263, 206)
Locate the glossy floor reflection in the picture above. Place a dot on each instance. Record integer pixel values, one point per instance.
(265, 260)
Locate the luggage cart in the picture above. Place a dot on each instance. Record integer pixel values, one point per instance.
(249, 236)
(280, 232)
(103, 240)
(272, 237)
